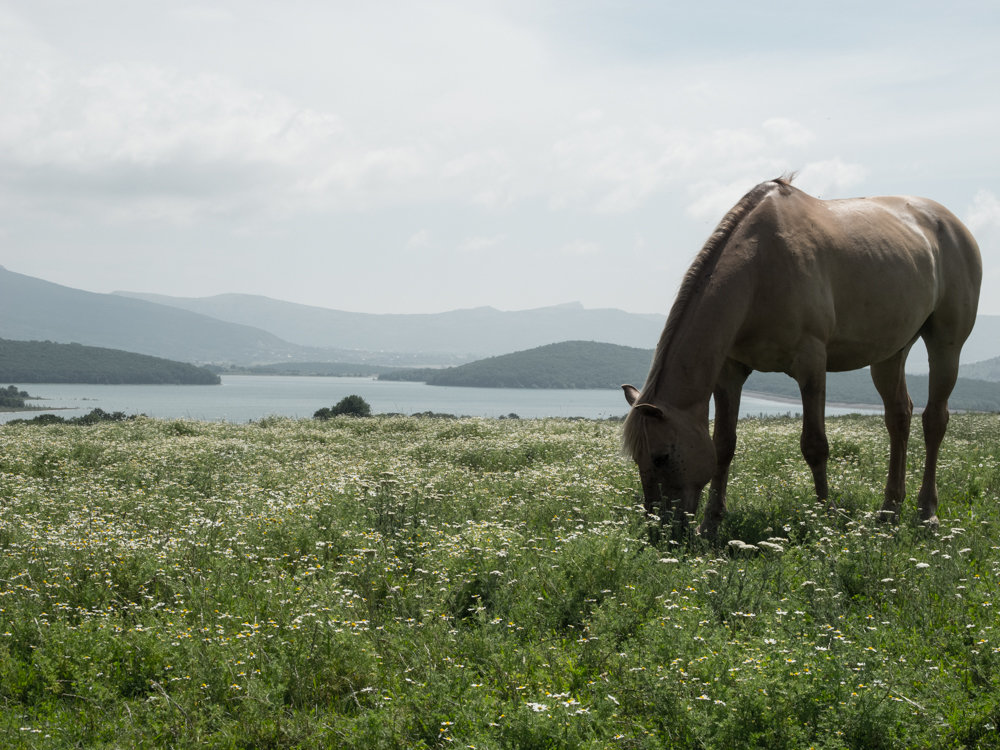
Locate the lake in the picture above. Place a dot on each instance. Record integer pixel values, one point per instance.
(242, 398)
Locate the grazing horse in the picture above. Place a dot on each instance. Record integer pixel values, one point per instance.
(790, 283)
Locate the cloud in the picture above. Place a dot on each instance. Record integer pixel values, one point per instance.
(580, 248)
(485, 177)
(419, 240)
(983, 220)
(480, 244)
(984, 213)
(831, 178)
(145, 136)
(144, 133)
(568, 128)
(489, 120)
(614, 166)
(788, 132)
(713, 198)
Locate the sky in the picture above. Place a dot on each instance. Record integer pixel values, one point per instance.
(414, 157)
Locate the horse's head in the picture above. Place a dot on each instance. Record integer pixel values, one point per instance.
(675, 455)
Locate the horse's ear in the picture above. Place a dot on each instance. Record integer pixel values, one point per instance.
(631, 394)
(650, 410)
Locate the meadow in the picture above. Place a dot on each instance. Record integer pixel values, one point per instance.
(404, 582)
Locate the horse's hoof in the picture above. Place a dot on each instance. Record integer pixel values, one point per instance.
(887, 515)
(707, 531)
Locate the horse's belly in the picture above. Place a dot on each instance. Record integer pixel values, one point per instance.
(875, 335)
(847, 347)
(842, 356)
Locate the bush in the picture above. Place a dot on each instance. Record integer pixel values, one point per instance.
(352, 405)
(94, 416)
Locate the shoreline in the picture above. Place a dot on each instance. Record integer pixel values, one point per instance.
(19, 409)
(798, 401)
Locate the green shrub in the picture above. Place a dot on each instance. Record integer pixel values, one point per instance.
(352, 405)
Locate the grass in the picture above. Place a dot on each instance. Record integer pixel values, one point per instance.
(401, 582)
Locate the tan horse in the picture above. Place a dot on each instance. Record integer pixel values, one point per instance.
(790, 283)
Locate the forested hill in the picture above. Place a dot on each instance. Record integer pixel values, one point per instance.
(46, 362)
(570, 364)
(587, 364)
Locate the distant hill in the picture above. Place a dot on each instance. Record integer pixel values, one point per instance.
(47, 362)
(983, 344)
(570, 364)
(986, 370)
(856, 387)
(312, 369)
(36, 310)
(586, 364)
(481, 331)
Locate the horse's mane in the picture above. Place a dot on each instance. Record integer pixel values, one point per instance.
(701, 267)
(706, 259)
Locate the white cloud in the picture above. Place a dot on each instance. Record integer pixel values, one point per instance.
(788, 132)
(202, 143)
(713, 199)
(984, 213)
(479, 244)
(419, 240)
(983, 220)
(831, 178)
(356, 126)
(485, 177)
(580, 248)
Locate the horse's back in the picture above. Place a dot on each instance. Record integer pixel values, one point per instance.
(864, 275)
(906, 248)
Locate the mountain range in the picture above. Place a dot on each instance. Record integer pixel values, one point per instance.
(251, 330)
(35, 310)
(475, 332)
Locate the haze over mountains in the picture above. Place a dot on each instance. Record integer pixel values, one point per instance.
(247, 330)
(476, 332)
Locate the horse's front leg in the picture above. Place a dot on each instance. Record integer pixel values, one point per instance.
(890, 381)
(727, 394)
(815, 448)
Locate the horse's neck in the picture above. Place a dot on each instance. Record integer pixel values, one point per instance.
(690, 357)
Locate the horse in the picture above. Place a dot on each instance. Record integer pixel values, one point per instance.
(791, 283)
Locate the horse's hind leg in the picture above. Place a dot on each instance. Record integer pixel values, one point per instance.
(890, 381)
(943, 362)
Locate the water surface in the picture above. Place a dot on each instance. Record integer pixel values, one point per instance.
(242, 398)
